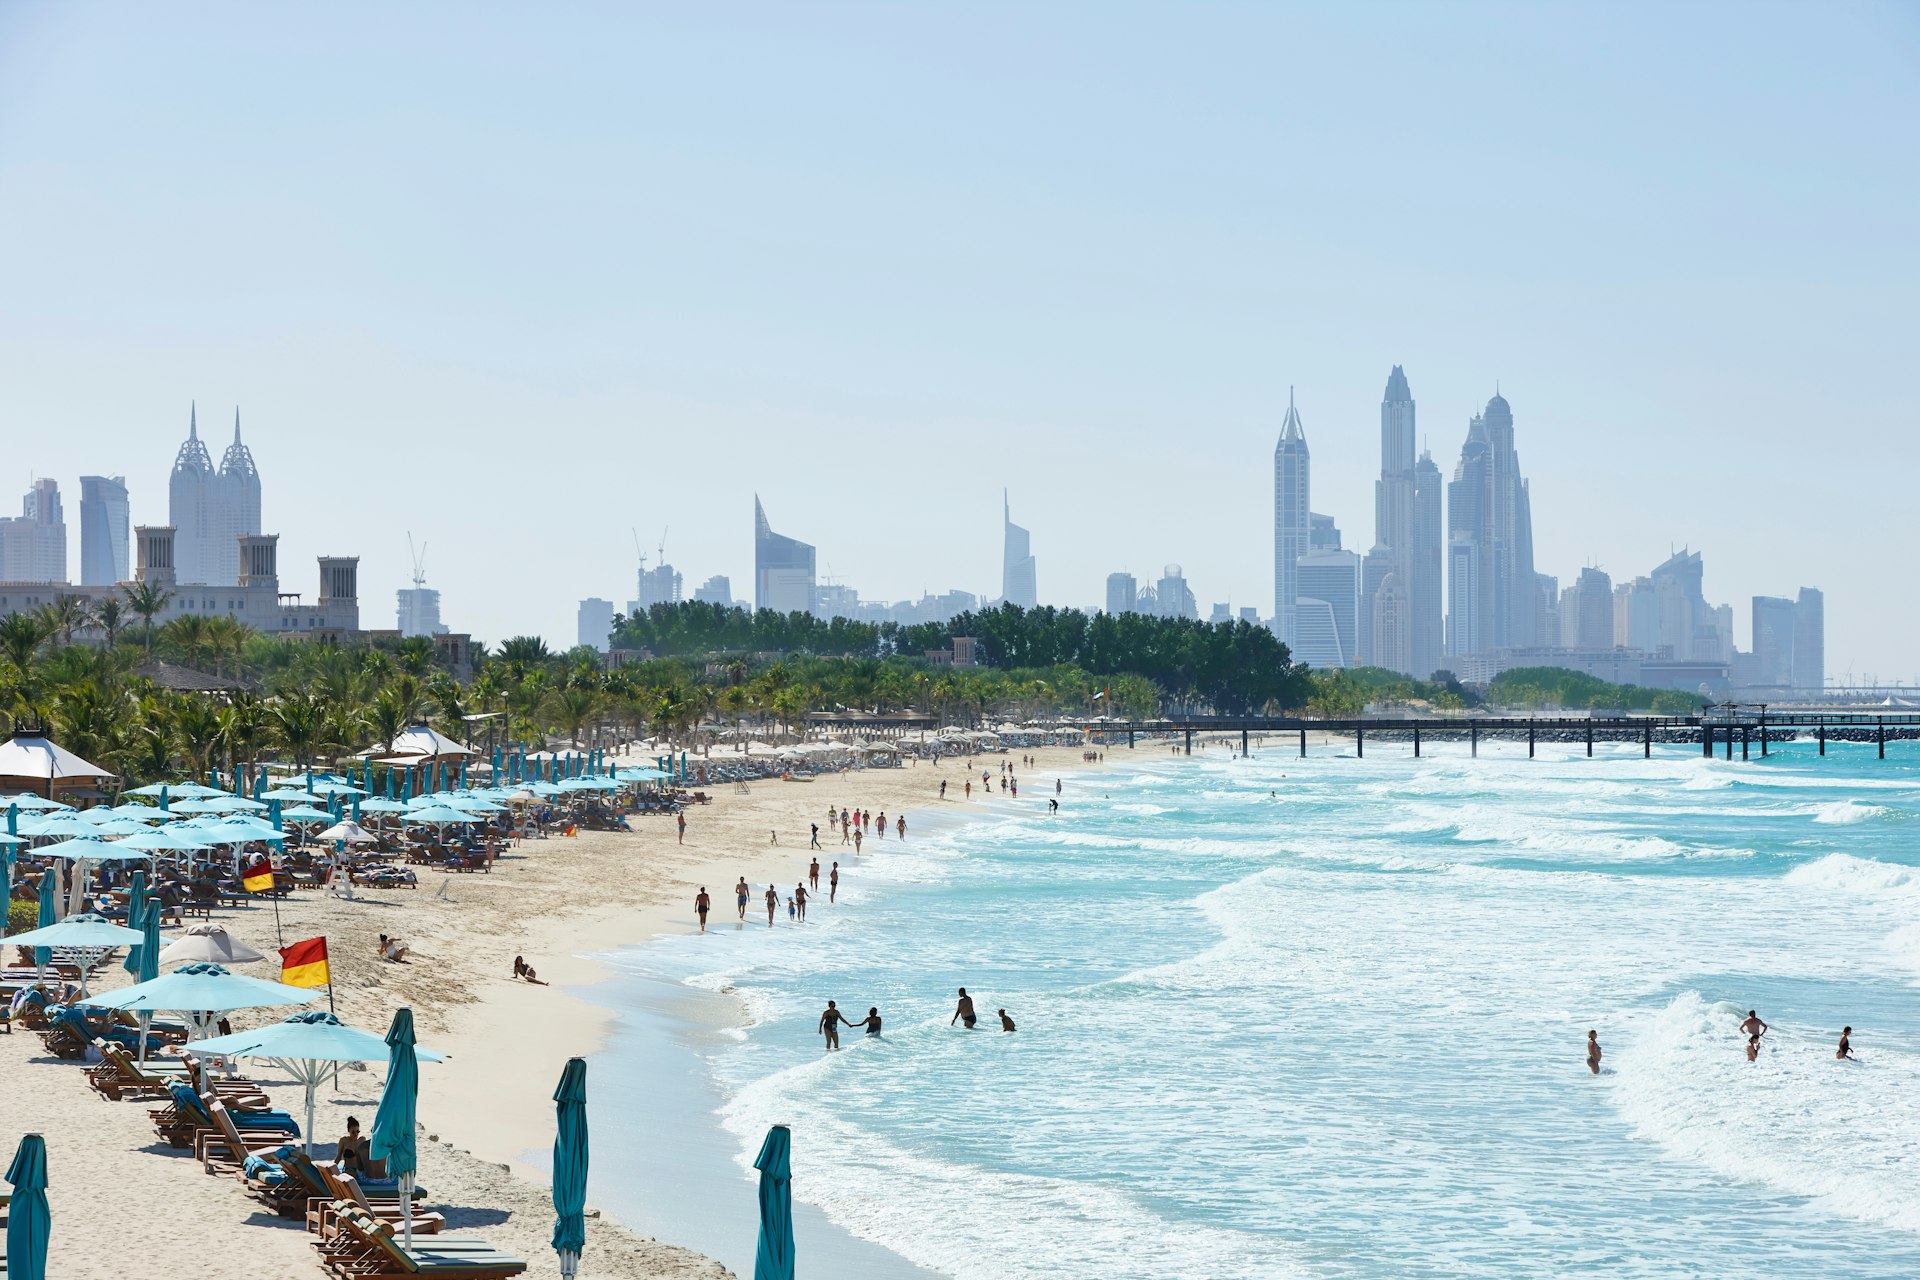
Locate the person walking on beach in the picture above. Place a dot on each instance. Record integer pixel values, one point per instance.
(846, 830)
(857, 837)
(900, 827)
(830, 1023)
(964, 1010)
(881, 829)
(813, 875)
(969, 788)
(773, 836)
(1056, 786)
(943, 788)
(872, 1021)
(800, 897)
(1593, 1052)
(683, 827)
(791, 916)
(815, 844)
(701, 905)
(740, 891)
(773, 904)
(833, 884)
(1846, 1045)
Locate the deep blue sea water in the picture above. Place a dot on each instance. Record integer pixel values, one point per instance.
(1327, 1017)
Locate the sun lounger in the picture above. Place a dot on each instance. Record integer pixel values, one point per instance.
(364, 1248)
(225, 1148)
(179, 1124)
(344, 1188)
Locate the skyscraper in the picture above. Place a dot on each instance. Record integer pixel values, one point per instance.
(190, 505)
(1329, 606)
(1516, 598)
(417, 611)
(33, 545)
(1810, 641)
(1425, 595)
(1774, 622)
(594, 623)
(104, 528)
(1470, 561)
(1123, 593)
(782, 568)
(1018, 580)
(1174, 598)
(236, 511)
(715, 590)
(1588, 623)
(1393, 521)
(1292, 518)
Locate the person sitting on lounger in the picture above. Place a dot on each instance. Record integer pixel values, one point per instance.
(352, 1153)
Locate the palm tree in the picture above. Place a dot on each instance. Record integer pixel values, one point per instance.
(197, 726)
(110, 615)
(573, 707)
(66, 615)
(147, 601)
(298, 720)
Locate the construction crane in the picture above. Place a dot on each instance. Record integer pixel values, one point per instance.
(419, 561)
(637, 551)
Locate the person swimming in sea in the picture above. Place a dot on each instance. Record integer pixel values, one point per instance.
(1845, 1051)
(1006, 1023)
(1593, 1052)
(964, 1011)
(1753, 1047)
(871, 1022)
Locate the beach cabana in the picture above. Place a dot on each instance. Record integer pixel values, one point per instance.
(32, 762)
(308, 1047)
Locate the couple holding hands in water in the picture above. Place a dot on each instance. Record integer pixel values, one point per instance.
(832, 1020)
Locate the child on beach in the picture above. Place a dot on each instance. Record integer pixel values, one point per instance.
(791, 917)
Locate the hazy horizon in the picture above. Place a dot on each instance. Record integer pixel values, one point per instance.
(521, 282)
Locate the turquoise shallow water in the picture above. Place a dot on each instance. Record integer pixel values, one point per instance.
(1326, 1018)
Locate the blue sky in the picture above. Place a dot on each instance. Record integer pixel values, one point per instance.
(521, 278)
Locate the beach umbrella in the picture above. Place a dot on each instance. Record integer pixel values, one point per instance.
(289, 793)
(136, 913)
(149, 953)
(163, 840)
(209, 944)
(440, 815)
(28, 1221)
(61, 824)
(351, 832)
(570, 1167)
(28, 800)
(13, 820)
(90, 935)
(6, 884)
(93, 849)
(773, 1259)
(305, 813)
(390, 782)
(49, 912)
(201, 991)
(354, 816)
(392, 1136)
(378, 805)
(308, 1047)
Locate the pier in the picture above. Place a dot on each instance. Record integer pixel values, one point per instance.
(1718, 729)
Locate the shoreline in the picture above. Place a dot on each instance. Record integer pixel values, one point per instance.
(486, 1114)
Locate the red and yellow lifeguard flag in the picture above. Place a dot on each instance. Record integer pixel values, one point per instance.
(304, 964)
(258, 877)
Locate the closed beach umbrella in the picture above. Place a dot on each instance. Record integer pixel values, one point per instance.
(570, 1167)
(773, 1260)
(28, 1221)
(49, 912)
(306, 1046)
(392, 1136)
(149, 953)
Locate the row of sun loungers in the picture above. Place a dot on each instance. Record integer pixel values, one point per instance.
(233, 1131)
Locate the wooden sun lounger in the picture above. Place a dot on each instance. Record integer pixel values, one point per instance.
(364, 1248)
(225, 1147)
(119, 1077)
(346, 1190)
(179, 1127)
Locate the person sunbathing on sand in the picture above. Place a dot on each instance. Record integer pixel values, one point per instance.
(391, 949)
(521, 969)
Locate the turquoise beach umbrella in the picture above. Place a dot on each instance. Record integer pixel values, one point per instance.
(773, 1260)
(13, 819)
(6, 884)
(28, 1221)
(136, 913)
(570, 1167)
(148, 953)
(392, 1136)
(49, 913)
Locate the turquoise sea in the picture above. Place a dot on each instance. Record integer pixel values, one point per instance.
(1327, 1018)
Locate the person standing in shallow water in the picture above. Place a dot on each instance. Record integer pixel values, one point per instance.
(773, 904)
(964, 1010)
(830, 1023)
(1845, 1050)
(701, 905)
(741, 892)
(1593, 1052)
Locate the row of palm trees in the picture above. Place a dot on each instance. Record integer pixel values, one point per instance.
(87, 674)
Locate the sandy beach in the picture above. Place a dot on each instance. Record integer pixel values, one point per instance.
(487, 1112)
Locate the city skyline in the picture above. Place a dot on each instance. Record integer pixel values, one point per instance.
(937, 312)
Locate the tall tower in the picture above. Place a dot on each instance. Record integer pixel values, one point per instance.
(1429, 551)
(236, 511)
(1516, 599)
(1019, 582)
(783, 578)
(1292, 520)
(104, 527)
(1393, 520)
(190, 505)
(1470, 546)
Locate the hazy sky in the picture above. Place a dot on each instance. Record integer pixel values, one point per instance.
(521, 278)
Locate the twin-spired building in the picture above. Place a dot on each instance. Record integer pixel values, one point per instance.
(211, 510)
